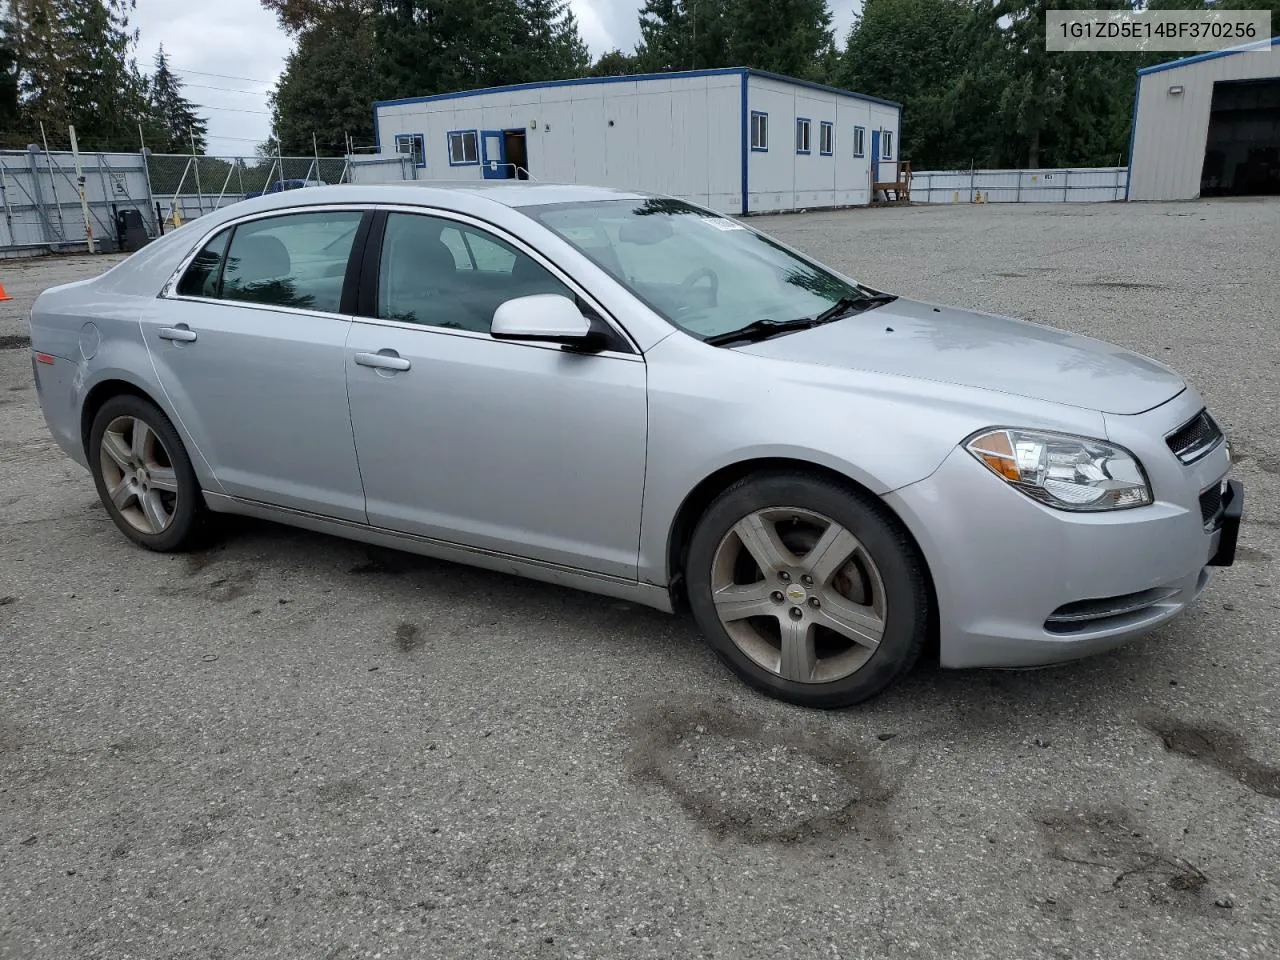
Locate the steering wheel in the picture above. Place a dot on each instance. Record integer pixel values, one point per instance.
(688, 283)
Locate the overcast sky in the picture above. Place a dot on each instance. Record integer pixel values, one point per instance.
(230, 54)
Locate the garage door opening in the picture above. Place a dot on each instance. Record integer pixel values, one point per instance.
(1242, 154)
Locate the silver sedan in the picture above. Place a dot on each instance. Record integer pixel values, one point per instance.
(639, 397)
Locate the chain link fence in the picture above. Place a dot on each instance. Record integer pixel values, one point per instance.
(40, 192)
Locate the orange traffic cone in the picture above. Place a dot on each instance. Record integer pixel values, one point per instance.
(4, 294)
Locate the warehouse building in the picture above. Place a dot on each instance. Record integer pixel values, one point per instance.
(1208, 125)
(736, 140)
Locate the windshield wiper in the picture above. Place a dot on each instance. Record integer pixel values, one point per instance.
(863, 301)
(760, 330)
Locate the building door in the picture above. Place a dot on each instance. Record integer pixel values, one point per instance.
(493, 155)
(1242, 148)
(875, 159)
(517, 152)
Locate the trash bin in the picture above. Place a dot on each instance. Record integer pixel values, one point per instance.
(131, 232)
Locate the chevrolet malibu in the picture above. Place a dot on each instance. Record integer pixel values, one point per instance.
(639, 397)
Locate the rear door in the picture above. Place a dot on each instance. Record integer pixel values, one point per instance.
(515, 448)
(248, 345)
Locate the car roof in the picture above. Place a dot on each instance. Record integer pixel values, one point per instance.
(507, 193)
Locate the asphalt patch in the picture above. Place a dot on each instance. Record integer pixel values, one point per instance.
(14, 342)
(1110, 843)
(746, 783)
(1220, 748)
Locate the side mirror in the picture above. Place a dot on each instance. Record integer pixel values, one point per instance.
(543, 318)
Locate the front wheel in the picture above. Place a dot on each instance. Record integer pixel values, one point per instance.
(807, 589)
(144, 476)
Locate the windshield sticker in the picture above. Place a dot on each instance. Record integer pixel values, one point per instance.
(720, 223)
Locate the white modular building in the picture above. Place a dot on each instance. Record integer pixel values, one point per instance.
(1207, 125)
(736, 140)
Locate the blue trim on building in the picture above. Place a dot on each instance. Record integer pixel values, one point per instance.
(1201, 57)
(754, 114)
(823, 127)
(821, 86)
(746, 141)
(448, 146)
(809, 136)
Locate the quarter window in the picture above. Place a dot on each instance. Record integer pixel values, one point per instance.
(759, 130)
(463, 148)
(802, 135)
(443, 274)
(859, 141)
(298, 260)
(203, 273)
(826, 139)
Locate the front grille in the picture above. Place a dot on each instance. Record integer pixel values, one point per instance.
(1195, 438)
(1211, 505)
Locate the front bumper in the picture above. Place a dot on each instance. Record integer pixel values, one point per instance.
(1019, 584)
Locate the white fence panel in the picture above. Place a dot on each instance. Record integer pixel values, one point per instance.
(1058, 185)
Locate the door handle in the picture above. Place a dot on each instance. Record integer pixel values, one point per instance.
(383, 361)
(180, 334)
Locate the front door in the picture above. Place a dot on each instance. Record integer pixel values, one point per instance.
(493, 155)
(249, 349)
(875, 158)
(519, 448)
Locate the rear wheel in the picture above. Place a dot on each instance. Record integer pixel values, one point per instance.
(144, 476)
(809, 590)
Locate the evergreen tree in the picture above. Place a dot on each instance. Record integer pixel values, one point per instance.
(174, 124)
(615, 63)
(328, 86)
(785, 36)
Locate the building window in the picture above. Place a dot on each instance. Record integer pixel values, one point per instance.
(827, 139)
(759, 130)
(802, 135)
(886, 144)
(464, 148)
(859, 141)
(412, 145)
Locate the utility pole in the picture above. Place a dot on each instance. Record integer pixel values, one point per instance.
(84, 200)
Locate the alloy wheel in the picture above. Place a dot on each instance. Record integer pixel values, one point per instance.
(139, 475)
(799, 594)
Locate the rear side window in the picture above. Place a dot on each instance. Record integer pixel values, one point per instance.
(297, 260)
(201, 278)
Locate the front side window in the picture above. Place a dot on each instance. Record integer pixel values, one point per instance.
(704, 273)
(444, 274)
(297, 260)
(202, 274)
(886, 145)
(859, 141)
(827, 139)
(413, 145)
(759, 131)
(802, 135)
(463, 148)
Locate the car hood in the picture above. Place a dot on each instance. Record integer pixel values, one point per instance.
(912, 339)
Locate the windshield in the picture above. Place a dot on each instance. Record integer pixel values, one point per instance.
(703, 272)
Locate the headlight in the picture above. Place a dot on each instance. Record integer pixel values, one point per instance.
(1059, 470)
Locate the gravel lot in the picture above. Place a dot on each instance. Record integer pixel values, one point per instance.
(292, 746)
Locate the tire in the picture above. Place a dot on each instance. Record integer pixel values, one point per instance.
(788, 647)
(144, 479)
